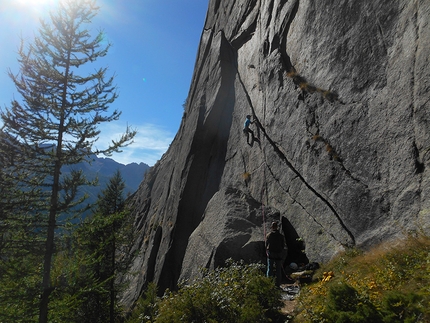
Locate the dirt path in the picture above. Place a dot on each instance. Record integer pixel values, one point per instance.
(289, 294)
(289, 307)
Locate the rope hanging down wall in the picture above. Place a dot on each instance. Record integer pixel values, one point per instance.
(282, 156)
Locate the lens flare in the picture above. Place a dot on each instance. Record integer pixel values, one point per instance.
(33, 10)
(35, 3)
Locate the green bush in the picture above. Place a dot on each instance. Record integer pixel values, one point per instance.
(235, 293)
(342, 298)
(146, 307)
(401, 308)
(346, 306)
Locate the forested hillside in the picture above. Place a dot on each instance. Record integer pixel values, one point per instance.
(103, 169)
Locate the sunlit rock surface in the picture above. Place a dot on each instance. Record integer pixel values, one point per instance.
(339, 91)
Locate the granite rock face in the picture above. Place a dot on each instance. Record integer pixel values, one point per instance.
(339, 94)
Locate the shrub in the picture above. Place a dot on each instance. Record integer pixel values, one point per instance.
(146, 307)
(387, 284)
(345, 305)
(235, 293)
(399, 307)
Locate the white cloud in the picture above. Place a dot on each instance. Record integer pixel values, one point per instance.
(149, 144)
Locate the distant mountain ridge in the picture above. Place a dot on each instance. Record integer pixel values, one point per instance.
(103, 169)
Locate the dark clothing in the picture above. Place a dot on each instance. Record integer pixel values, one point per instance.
(275, 244)
(248, 132)
(277, 264)
(276, 254)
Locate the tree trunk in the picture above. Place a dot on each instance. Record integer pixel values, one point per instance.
(49, 250)
(112, 281)
(50, 241)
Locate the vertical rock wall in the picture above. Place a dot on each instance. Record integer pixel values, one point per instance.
(339, 90)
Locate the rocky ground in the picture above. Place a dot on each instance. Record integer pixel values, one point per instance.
(289, 294)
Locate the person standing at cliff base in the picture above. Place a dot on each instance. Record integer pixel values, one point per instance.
(276, 251)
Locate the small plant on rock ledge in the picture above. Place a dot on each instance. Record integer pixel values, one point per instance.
(246, 176)
(305, 86)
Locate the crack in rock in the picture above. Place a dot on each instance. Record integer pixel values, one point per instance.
(290, 165)
(287, 191)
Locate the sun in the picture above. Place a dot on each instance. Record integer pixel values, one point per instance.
(36, 5)
(34, 8)
(35, 2)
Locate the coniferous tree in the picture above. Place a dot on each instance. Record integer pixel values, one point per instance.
(56, 122)
(98, 241)
(110, 204)
(20, 245)
(111, 200)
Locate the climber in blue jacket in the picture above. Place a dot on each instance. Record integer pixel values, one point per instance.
(248, 131)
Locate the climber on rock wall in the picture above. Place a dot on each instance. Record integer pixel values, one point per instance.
(248, 131)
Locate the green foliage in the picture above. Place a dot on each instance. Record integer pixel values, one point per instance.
(21, 249)
(399, 307)
(388, 284)
(79, 295)
(54, 123)
(146, 307)
(235, 293)
(345, 305)
(111, 200)
(86, 277)
(19, 291)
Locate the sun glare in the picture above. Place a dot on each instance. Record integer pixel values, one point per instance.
(39, 6)
(32, 10)
(35, 2)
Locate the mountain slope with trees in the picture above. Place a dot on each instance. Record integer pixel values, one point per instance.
(103, 168)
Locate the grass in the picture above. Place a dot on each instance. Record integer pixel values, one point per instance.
(390, 283)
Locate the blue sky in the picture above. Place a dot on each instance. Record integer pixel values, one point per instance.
(153, 55)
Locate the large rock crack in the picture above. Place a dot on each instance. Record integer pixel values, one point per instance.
(284, 158)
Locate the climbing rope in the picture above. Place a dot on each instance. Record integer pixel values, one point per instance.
(264, 221)
(264, 190)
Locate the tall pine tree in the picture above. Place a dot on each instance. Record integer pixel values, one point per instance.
(110, 204)
(56, 122)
